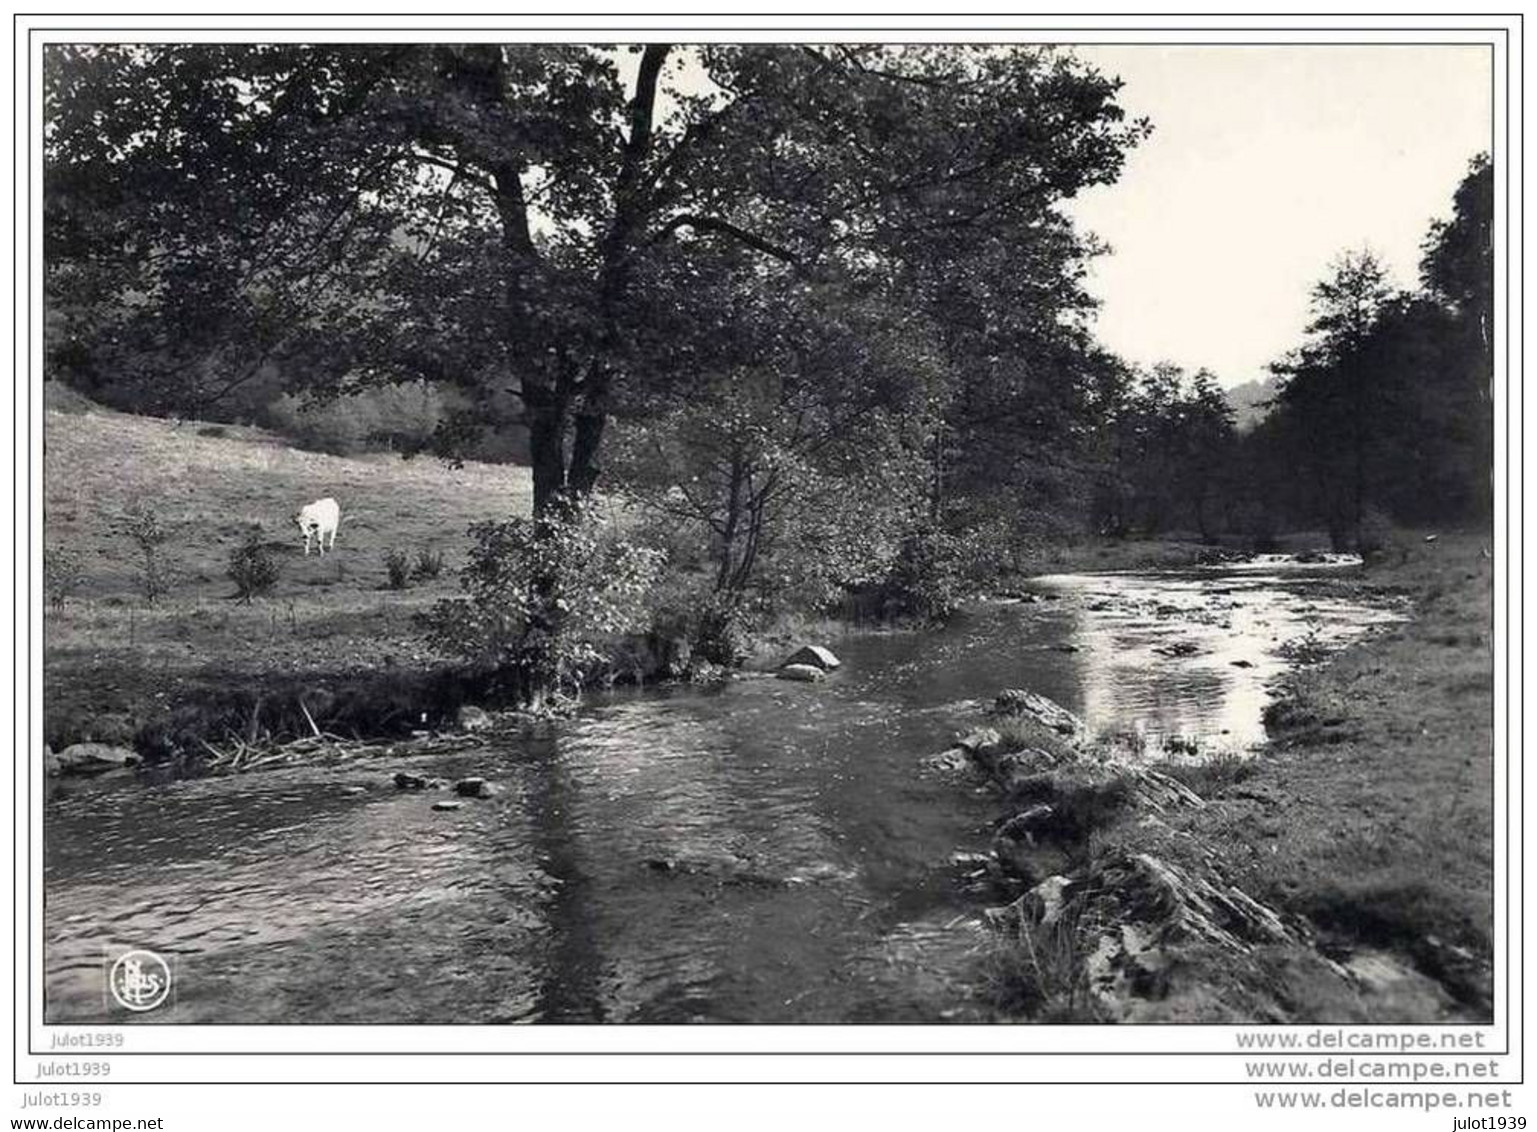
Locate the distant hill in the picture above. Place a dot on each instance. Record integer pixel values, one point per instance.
(1249, 401)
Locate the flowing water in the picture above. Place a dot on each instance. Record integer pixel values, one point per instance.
(766, 851)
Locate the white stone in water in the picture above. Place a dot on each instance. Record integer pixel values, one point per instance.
(90, 758)
(806, 673)
(817, 656)
(1045, 901)
(472, 718)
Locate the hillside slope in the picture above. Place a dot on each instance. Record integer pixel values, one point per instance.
(1251, 401)
(210, 489)
(111, 651)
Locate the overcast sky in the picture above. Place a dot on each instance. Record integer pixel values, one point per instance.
(1264, 164)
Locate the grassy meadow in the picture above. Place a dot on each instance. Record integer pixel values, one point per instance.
(113, 656)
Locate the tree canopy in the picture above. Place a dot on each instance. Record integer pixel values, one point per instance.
(571, 223)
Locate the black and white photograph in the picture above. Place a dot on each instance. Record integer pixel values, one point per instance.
(837, 530)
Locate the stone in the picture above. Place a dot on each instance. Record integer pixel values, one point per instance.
(51, 765)
(1043, 904)
(1398, 991)
(983, 738)
(354, 791)
(406, 781)
(1021, 852)
(474, 788)
(948, 761)
(964, 860)
(1048, 713)
(805, 673)
(1022, 825)
(815, 655)
(1177, 649)
(1159, 792)
(472, 718)
(92, 758)
(1014, 768)
(984, 747)
(446, 805)
(1142, 917)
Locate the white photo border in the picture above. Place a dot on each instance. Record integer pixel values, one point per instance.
(1058, 1053)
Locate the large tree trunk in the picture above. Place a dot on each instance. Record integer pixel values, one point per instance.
(563, 393)
(546, 418)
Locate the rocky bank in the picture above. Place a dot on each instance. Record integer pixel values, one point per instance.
(1119, 913)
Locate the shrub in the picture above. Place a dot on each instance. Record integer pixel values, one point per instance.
(398, 567)
(429, 564)
(252, 567)
(1214, 774)
(142, 524)
(1038, 970)
(392, 417)
(926, 580)
(62, 574)
(542, 600)
(701, 623)
(722, 632)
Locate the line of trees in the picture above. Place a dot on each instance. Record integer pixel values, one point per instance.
(816, 312)
(1383, 415)
(804, 275)
(1387, 408)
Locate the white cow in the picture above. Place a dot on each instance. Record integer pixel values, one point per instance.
(321, 517)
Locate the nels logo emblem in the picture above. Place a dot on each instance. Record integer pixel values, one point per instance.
(139, 980)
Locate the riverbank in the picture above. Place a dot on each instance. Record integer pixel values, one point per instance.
(1343, 874)
(1371, 813)
(1174, 551)
(195, 663)
(333, 644)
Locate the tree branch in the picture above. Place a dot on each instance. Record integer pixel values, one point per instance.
(437, 227)
(637, 146)
(725, 228)
(454, 167)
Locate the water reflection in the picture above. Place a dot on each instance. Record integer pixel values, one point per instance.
(765, 852)
(1188, 663)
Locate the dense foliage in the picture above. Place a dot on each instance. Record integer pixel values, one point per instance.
(542, 606)
(814, 314)
(1388, 406)
(1382, 416)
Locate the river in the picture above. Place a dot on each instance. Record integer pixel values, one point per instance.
(760, 852)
